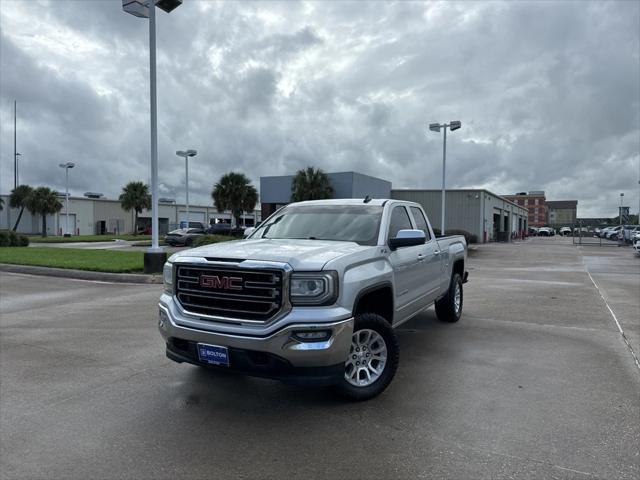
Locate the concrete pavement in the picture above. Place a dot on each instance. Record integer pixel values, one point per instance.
(535, 381)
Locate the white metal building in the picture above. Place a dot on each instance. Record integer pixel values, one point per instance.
(90, 216)
(483, 213)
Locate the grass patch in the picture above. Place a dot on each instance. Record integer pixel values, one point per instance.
(79, 259)
(87, 238)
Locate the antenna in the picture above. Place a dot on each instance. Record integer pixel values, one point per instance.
(367, 199)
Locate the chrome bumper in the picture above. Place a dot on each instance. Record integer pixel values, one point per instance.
(281, 342)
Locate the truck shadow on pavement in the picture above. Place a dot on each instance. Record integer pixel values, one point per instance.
(421, 340)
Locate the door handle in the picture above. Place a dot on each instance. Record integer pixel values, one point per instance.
(437, 252)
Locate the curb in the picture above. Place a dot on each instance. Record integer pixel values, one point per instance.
(82, 274)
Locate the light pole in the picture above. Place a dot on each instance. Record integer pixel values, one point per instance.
(154, 257)
(435, 127)
(17, 168)
(66, 167)
(186, 154)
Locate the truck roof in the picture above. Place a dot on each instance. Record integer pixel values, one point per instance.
(350, 201)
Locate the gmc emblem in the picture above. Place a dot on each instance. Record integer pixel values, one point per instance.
(222, 283)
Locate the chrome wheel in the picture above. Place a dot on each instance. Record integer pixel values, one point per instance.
(367, 358)
(457, 298)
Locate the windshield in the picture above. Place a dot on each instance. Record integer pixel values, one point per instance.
(348, 223)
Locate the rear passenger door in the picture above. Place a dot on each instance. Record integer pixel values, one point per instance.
(430, 258)
(407, 270)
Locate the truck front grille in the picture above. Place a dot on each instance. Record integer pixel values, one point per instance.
(242, 294)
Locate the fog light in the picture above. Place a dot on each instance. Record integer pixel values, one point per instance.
(312, 335)
(162, 318)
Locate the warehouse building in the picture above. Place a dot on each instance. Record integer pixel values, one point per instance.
(480, 212)
(94, 215)
(275, 192)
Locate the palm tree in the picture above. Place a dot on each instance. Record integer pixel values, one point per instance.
(234, 192)
(44, 201)
(135, 196)
(310, 184)
(18, 199)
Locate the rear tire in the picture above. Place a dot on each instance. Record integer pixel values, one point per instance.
(375, 348)
(449, 307)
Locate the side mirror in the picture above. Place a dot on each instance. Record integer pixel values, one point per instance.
(407, 238)
(248, 231)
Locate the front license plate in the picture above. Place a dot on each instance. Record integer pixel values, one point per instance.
(213, 354)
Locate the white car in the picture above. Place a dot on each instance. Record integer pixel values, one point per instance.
(636, 243)
(612, 233)
(565, 231)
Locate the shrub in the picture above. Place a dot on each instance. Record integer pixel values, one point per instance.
(13, 238)
(9, 238)
(208, 239)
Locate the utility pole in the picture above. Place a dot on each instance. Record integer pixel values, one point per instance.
(15, 151)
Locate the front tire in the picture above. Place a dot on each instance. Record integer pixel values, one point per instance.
(373, 358)
(449, 307)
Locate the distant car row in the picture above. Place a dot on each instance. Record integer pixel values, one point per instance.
(184, 237)
(618, 232)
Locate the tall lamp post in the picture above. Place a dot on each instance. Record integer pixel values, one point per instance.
(435, 127)
(66, 167)
(18, 155)
(154, 257)
(186, 154)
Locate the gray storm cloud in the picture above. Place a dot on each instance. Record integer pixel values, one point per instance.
(548, 93)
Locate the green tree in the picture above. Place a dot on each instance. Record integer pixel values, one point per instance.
(310, 184)
(18, 199)
(234, 192)
(135, 196)
(43, 201)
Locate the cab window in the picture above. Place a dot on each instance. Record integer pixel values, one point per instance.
(421, 222)
(399, 221)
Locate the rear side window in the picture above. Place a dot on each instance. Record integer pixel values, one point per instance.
(421, 222)
(399, 221)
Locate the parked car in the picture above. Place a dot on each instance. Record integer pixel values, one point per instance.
(546, 232)
(224, 229)
(314, 294)
(566, 231)
(533, 231)
(612, 232)
(636, 243)
(183, 237)
(628, 231)
(183, 225)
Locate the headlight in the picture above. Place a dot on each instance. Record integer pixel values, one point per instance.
(167, 277)
(314, 288)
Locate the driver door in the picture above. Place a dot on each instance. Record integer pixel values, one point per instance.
(408, 276)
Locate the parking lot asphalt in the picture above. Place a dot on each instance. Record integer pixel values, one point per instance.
(535, 381)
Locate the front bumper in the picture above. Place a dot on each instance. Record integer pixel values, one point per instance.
(277, 354)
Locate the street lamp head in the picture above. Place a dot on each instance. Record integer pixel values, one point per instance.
(181, 153)
(192, 153)
(455, 125)
(67, 165)
(137, 8)
(434, 127)
(168, 5)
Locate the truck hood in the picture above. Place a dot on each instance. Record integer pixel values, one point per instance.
(300, 254)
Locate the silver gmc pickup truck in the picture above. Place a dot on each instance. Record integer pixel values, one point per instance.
(313, 294)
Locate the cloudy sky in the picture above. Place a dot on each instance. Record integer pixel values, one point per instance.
(548, 94)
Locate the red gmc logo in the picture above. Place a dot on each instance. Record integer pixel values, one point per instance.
(222, 283)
